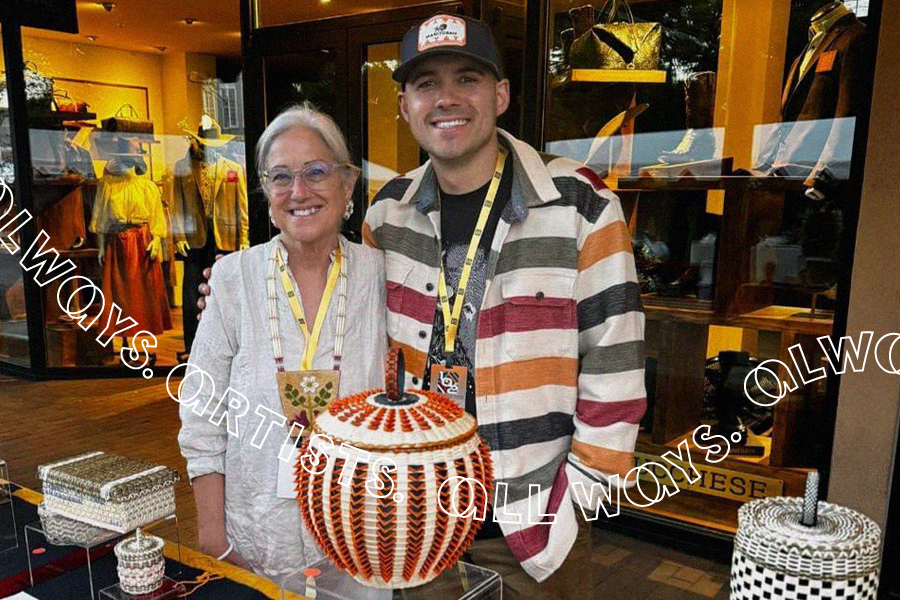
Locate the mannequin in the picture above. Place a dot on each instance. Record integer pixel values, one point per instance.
(813, 142)
(128, 217)
(209, 213)
(820, 97)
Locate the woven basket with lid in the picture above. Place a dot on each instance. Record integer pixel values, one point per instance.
(775, 556)
(394, 528)
(141, 566)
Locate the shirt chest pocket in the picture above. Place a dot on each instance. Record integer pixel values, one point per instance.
(538, 316)
(400, 295)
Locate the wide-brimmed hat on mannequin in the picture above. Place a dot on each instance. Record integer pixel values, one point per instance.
(126, 147)
(210, 133)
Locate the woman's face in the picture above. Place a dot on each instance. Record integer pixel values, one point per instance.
(303, 214)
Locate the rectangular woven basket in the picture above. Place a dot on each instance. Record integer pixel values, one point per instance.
(108, 491)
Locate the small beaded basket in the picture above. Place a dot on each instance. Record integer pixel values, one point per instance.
(394, 528)
(791, 549)
(141, 565)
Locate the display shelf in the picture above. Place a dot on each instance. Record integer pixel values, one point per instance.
(61, 115)
(619, 75)
(169, 589)
(714, 167)
(687, 309)
(711, 502)
(8, 536)
(323, 581)
(783, 319)
(36, 529)
(696, 509)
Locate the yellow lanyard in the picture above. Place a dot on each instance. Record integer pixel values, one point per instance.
(311, 339)
(451, 321)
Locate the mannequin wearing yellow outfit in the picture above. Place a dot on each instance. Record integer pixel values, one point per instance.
(129, 220)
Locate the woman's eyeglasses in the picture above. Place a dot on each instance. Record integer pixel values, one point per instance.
(315, 176)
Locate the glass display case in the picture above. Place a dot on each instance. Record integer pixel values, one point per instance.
(727, 133)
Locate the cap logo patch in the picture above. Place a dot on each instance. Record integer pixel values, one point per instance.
(442, 30)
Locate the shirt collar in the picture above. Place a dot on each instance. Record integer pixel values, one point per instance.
(532, 184)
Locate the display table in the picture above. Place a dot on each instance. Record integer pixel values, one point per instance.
(463, 581)
(68, 572)
(61, 572)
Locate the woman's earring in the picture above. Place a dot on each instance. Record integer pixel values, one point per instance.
(349, 210)
(271, 216)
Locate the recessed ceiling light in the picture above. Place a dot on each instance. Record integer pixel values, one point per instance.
(324, 1)
(107, 6)
(93, 38)
(189, 21)
(161, 48)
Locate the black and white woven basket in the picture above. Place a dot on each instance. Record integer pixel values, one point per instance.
(776, 557)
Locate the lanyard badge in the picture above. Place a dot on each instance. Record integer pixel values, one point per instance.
(446, 379)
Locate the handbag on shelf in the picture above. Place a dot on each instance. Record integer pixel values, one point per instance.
(66, 104)
(127, 120)
(623, 44)
(38, 89)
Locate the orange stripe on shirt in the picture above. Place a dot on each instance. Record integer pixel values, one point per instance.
(414, 360)
(604, 459)
(526, 374)
(604, 242)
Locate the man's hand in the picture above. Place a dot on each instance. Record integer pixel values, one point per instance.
(182, 248)
(203, 288)
(101, 249)
(154, 249)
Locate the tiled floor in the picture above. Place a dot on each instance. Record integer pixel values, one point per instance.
(635, 570)
(44, 421)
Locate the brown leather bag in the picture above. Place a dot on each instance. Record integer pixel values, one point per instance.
(127, 120)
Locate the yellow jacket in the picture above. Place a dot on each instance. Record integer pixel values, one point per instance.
(229, 206)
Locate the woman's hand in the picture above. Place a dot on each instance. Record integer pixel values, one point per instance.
(209, 495)
(203, 288)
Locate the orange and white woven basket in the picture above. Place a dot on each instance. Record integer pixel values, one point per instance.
(394, 528)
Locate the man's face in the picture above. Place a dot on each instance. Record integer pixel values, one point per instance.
(451, 104)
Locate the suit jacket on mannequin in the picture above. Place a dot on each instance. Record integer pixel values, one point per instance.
(817, 103)
(229, 206)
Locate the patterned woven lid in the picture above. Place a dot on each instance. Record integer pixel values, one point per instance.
(842, 540)
(394, 421)
(140, 547)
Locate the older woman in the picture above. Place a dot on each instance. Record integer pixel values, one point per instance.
(288, 323)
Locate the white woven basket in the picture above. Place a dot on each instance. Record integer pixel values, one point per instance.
(141, 567)
(63, 531)
(777, 557)
(108, 491)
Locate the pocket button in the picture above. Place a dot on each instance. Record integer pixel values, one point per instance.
(539, 296)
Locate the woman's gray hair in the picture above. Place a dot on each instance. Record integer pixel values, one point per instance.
(303, 115)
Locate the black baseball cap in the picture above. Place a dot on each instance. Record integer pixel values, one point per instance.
(448, 34)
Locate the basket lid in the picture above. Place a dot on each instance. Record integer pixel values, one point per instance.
(106, 476)
(770, 532)
(139, 547)
(396, 421)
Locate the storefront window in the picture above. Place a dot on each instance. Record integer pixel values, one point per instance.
(390, 143)
(727, 133)
(139, 180)
(13, 327)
